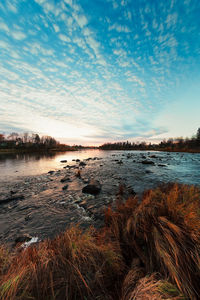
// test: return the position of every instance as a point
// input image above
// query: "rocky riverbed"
(43, 205)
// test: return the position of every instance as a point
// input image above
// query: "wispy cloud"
(64, 38)
(12, 6)
(18, 35)
(94, 72)
(120, 28)
(4, 27)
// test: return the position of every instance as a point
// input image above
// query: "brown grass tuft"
(72, 266)
(159, 235)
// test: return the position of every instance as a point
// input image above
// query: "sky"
(93, 71)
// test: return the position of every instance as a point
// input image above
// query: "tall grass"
(146, 250)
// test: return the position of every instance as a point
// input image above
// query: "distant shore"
(22, 151)
(52, 150)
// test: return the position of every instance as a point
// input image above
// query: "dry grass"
(160, 235)
(149, 288)
(72, 266)
(164, 232)
(4, 260)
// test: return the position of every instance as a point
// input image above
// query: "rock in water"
(50, 172)
(12, 198)
(63, 161)
(66, 178)
(22, 239)
(147, 162)
(65, 187)
(93, 188)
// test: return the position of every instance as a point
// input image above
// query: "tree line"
(172, 144)
(26, 139)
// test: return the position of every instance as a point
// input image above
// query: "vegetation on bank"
(146, 250)
(23, 143)
(174, 145)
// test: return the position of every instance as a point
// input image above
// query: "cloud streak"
(85, 72)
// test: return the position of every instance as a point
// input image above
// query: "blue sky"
(88, 72)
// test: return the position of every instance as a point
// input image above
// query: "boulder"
(50, 172)
(82, 164)
(147, 162)
(153, 156)
(93, 188)
(65, 187)
(148, 172)
(64, 179)
(11, 198)
(22, 239)
(63, 161)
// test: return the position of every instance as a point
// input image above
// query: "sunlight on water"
(14, 165)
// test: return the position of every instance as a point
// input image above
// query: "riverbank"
(35, 150)
(65, 149)
(146, 250)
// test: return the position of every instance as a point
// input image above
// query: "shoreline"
(52, 151)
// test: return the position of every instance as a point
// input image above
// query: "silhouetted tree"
(2, 137)
(198, 134)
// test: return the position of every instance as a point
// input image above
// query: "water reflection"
(13, 165)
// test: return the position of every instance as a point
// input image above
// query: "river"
(44, 207)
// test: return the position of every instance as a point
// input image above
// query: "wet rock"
(162, 165)
(13, 192)
(93, 188)
(153, 156)
(27, 218)
(12, 198)
(50, 172)
(148, 172)
(66, 178)
(78, 174)
(68, 166)
(82, 164)
(77, 160)
(147, 162)
(131, 191)
(91, 207)
(22, 239)
(85, 180)
(83, 204)
(65, 187)
(63, 161)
